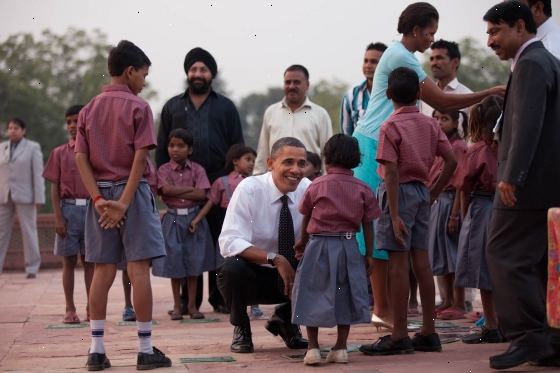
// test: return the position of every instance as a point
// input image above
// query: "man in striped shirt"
(355, 101)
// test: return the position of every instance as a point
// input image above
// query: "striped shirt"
(218, 194)
(111, 128)
(353, 107)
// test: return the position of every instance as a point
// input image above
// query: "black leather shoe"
(551, 361)
(242, 342)
(96, 361)
(291, 334)
(221, 309)
(517, 355)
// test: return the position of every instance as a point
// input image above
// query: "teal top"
(380, 107)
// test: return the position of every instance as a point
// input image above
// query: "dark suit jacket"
(529, 147)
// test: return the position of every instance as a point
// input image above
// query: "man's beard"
(199, 86)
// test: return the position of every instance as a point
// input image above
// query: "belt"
(110, 184)
(483, 193)
(183, 211)
(347, 235)
(77, 201)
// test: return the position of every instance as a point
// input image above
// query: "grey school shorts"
(73, 243)
(414, 210)
(139, 238)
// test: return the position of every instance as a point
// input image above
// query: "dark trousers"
(215, 219)
(517, 257)
(242, 283)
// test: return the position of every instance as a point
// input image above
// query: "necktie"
(286, 236)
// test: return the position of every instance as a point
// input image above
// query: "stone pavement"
(29, 307)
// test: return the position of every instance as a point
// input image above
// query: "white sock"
(145, 337)
(97, 332)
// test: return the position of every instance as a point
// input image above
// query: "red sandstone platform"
(28, 307)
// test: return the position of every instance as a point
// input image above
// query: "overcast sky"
(253, 41)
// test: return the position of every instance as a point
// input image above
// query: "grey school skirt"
(442, 246)
(330, 287)
(471, 270)
(188, 254)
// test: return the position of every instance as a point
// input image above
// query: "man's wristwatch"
(270, 256)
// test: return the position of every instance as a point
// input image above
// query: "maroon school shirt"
(61, 169)
(338, 203)
(111, 127)
(218, 194)
(411, 140)
(480, 168)
(189, 174)
(459, 147)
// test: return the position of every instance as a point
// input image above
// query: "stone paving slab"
(28, 307)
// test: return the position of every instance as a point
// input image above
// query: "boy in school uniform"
(408, 144)
(69, 199)
(115, 133)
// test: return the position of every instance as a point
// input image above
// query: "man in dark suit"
(528, 184)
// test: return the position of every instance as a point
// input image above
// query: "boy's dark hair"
(417, 14)
(73, 110)
(403, 86)
(126, 54)
(343, 151)
(455, 114)
(547, 7)
(285, 141)
(237, 151)
(314, 159)
(451, 47)
(510, 12)
(17, 121)
(376, 47)
(300, 68)
(483, 117)
(183, 134)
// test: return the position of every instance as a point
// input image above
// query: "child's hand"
(369, 264)
(192, 226)
(453, 224)
(60, 226)
(113, 214)
(299, 248)
(399, 230)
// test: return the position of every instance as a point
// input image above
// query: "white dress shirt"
(549, 34)
(310, 124)
(253, 215)
(453, 87)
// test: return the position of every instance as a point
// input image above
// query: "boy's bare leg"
(421, 263)
(400, 288)
(127, 288)
(379, 282)
(191, 291)
(341, 337)
(176, 290)
(88, 277)
(313, 336)
(490, 317)
(103, 277)
(68, 267)
(139, 274)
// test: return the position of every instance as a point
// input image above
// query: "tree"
(251, 110)
(480, 68)
(41, 77)
(329, 96)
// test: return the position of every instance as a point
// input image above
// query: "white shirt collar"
(545, 28)
(521, 49)
(276, 194)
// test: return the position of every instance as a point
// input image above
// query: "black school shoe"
(96, 361)
(152, 361)
(386, 346)
(485, 336)
(426, 343)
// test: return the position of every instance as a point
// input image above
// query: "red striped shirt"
(191, 174)
(61, 169)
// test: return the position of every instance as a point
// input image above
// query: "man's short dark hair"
(403, 86)
(17, 121)
(300, 68)
(285, 141)
(73, 110)
(451, 47)
(417, 14)
(376, 47)
(510, 12)
(547, 7)
(126, 54)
